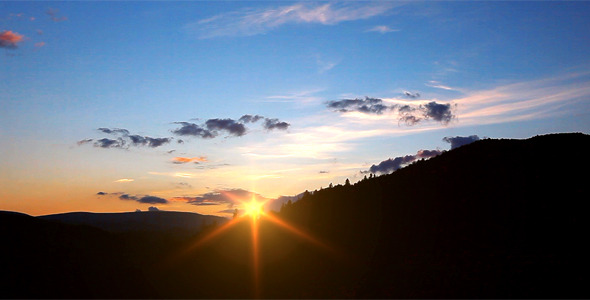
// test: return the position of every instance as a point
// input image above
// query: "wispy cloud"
(125, 180)
(382, 29)
(438, 85)
(248, 22)
(523, 101)
(304, 97)
(55, 15)
(184, 160)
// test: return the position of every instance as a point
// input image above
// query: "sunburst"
(254, 209)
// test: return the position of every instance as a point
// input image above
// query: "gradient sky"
(117, 106)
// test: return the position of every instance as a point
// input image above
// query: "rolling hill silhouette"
(163, 222)
(492, 219)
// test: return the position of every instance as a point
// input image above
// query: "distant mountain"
(46, 259)
(170, 222)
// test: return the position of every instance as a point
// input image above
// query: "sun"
(254, 208)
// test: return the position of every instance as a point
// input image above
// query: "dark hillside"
(44, 259)
(496, 218)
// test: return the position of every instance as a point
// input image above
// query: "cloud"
(270, 124)
(110, 143)
(227, 196)
(232, 127)
(184, 160)
(152, 200)
(192, 129)
(125, 139)
(411, 95)
(438, 85)
(153, 208)
(10, 40)
(250, 22)
(212, 127)
(114, 131)
(125, 180)
(458, 141)
(141, 199)
(428, 153)
(128, 197)
(408, 113)
(137, 140)
(39, 44)
(55, 16)
(84, 141)
(439, 112)
(549, 97)
(367, 105)
(394, 164)
(382, 29)
(250, 118)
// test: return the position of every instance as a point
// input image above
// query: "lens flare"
(255, 210)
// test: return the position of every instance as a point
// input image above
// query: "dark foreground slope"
(43, 259)
(493, 219)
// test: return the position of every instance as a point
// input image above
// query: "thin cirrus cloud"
(438, 85)
(382, 29)
(184, 160)
(530, 100)
(249, 22)
(125, 180)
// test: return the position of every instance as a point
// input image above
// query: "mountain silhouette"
(497, 218)
(163, 222)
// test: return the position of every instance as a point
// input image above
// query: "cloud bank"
(228, 197)
(393, 164)
(408, 113)
(138, 198)
(458, 141)
(214, 127)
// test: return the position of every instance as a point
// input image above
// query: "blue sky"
(434, 69)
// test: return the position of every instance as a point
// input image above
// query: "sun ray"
(299, 232)
(253, 209)
(255, 257)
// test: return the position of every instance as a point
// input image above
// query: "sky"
(197, 105)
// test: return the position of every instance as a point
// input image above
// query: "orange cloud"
(183, 160)
(124, 180)
(9, 39)
(39, 44)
